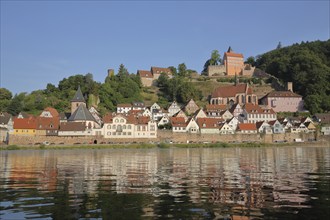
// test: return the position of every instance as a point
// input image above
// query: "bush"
(163, 145)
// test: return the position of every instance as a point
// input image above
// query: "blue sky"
(45, 41)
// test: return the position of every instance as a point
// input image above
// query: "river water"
(172, 183)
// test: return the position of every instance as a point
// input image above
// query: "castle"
(233, 64)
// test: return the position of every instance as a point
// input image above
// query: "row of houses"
(135, 120)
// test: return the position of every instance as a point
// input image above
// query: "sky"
(45, 41)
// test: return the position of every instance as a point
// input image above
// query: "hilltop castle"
(233, 64)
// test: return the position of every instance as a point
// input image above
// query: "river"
(171, 183)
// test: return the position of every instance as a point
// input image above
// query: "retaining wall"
(163, 136)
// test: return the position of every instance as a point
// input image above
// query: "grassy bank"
(145, 145)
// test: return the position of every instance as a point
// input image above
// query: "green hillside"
(307, 65)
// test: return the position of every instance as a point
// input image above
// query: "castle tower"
(111, 72)
(77, 100)
(289, 86)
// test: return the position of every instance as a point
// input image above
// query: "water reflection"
(227, 183)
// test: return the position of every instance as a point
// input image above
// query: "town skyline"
(54, 40)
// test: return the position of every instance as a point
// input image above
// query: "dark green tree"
(16, 104)
(214, 60)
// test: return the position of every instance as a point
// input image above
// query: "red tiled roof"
(178, 122)
(72, 126)
(247, 127)
(143, 120)
(25, 123)
(282, 94)
(209, 122)
(44, 123)
(159, 70)
(228, 54)
(252, 109)
(108, 117)
(52, 111)
(145, 74)
(231, 91)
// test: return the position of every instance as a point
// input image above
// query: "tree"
(5, 98)
(251, 60)
(122, 72)
(173, 70)
(214, 60)
(182, 70)
(16, 104)
(5, 94)
(307, 65)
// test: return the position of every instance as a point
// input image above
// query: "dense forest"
(307, 65)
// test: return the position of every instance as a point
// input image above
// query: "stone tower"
(77, 100)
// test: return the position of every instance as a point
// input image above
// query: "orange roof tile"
(252, 108)
(209, 122)
(44, 123)
(145, 74)
(25, 123)
(52, 111)
(178, 122)
(108, 117)
(247, 127)
(159, 70)
(228, 54)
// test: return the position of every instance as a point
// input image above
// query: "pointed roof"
(78, 97)
(230, 50)
(81, 114)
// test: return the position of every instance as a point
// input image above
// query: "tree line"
(307, 65)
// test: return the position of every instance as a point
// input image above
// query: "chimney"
(289, 86)
(111, 72)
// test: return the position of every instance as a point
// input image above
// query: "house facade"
(254, 113)
(148, 78)
(174, 108)
(129, 126)
(230, 95)
(283, 101)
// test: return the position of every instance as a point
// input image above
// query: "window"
(113, 126)
(109, 133)
(128, 126)
(121, 120)
(124, 126)
(109, 127)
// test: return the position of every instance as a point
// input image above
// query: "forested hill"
(307, 65)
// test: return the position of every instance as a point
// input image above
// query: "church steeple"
(230, 50)
(78, 97)
(77, 100)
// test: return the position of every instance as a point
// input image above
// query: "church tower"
(77, 100)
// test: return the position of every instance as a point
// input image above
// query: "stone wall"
(163, 136)
(219, 70)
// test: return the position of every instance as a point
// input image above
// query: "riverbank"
(159, 145)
